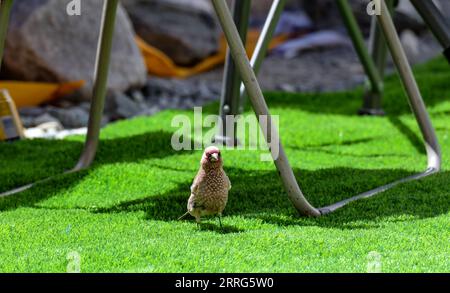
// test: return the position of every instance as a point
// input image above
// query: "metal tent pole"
(100, 83)
(372, 104)
(230, 99)
(264, 39)
(412, 90)
(376, 83)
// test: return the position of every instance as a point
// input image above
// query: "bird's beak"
(215, 157)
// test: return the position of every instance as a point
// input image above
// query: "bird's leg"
(220, 221)
(197, 220)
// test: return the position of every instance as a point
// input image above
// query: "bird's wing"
(229, 182)
(195, 203)
(194, 186)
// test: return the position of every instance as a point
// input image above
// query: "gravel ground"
(324, 70)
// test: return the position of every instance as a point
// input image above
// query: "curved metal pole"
(259, 105)
(372, 100)
(100, 83)
(414, 96)
(417, 106)
(230, 98)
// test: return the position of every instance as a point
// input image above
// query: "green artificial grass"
(120, 215)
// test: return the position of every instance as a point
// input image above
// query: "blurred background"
(170, 54)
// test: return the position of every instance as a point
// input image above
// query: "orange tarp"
(160, 64)
(34, 93)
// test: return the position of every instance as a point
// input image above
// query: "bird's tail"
(183, 216)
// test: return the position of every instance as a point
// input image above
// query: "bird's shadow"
(225, 229)
(168, 207)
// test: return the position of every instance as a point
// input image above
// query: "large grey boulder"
(44, 43)
(186, 30)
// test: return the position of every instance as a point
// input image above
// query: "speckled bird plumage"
(209, 191)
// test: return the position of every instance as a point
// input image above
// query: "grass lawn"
(120, 215)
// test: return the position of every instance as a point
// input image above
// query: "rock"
(405, 7)
(181, 94)
(259, 9)
(121, 106)
(150, 111)
(156, 86)
(325, 13)
(188, 103)
(186, 30)
(27, 121)
(164, 103)
(31, 111)
(74, 117)
(407, 18)
(138, 97)
(44, 118)
(410, 44)
(419, 49)
(444, 6)
(85, 106)
(45, 44)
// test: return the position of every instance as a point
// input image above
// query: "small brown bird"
(209, 191)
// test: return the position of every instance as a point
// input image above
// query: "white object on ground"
(52, 130)
(320, 39)
(292, 22)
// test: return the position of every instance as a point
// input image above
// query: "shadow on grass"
(28, 161)
(319, 148)
(268, 202)
(225, 229)
(255, 194)
(260, 195)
